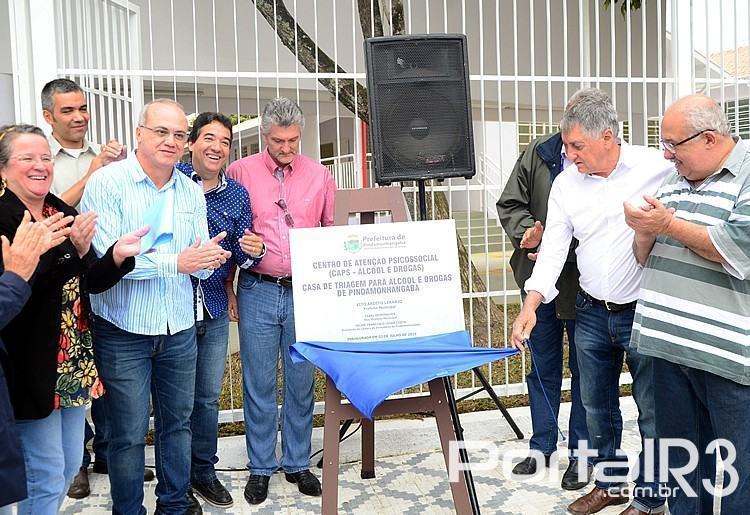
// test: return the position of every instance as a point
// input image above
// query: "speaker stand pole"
(457, 429)
(491, 392)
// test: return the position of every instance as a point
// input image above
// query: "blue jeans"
(213, 338)
(132, 366)
(547, 353)
(267, 329)
(700, 406)
(98, 434)
(602, 342)
(52, 452)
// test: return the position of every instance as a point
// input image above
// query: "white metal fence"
(526, 58)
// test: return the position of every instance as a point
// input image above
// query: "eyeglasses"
(670, 147)
(28, 159)
(287, 215)
(162, 133)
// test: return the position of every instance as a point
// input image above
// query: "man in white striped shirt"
(693, 314)
(145, 343)
(586, 202)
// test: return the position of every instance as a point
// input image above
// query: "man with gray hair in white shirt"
(586, 202)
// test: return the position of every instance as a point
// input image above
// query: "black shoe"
(571, 480)
(528, 466)
(306, 481)
(80, 488)
(213, 493)
(256, 489)
(100, 467)
(194, 507)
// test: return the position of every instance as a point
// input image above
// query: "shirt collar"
(135, 170)
(564, 161)
(271, 165)
(221, 186)
(626, 159)
(56, 148)
(736, 157)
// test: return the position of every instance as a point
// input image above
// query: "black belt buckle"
(286, 282)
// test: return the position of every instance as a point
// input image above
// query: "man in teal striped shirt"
(145, 343)
(693, 312)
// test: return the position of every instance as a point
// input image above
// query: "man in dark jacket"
(522, 209)
(19, 262)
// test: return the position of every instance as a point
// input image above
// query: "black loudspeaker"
(420, 107)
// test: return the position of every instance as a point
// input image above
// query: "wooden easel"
(367, 202)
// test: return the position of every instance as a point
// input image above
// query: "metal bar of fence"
(512, 87)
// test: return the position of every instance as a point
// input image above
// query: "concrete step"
(478, 247)
(493, 267)
(478, 230)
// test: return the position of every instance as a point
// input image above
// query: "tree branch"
(370, 28)
(311, 57)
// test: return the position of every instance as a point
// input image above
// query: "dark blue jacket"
(14, 292)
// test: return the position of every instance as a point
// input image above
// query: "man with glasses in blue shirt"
(145, 327)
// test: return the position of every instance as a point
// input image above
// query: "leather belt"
(610, 306)
(286, 282)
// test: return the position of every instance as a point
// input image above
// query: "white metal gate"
(526, 59)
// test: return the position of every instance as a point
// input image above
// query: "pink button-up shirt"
(308, 189)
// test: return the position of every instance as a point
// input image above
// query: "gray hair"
(282, 112)
(144, 111)
(701, 116)
(54, 87)
(592, 110)
(8, 133)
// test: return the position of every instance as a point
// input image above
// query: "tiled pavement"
(411, 477)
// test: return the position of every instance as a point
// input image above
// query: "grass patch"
(514, 369)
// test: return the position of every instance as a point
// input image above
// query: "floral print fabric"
(76, 371)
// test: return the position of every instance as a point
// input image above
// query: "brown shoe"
(594, 501)
(80, 488)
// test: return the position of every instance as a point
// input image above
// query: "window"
(528, 132)
(652, 136)
(738, 114)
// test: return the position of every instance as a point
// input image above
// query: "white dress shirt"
(590, 208)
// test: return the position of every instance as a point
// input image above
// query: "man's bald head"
(695, 136)
(700, 112)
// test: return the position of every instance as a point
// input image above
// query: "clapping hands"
(208, 256)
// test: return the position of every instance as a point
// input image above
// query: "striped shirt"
(692, 311)
(154, 298)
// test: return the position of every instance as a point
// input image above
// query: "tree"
(350, 93)
(634, 5)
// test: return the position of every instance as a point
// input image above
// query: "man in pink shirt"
(286, 190)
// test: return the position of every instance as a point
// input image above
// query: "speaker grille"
(419, 107)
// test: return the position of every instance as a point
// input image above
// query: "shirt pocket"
(185, 223)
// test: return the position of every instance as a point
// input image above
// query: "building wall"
(7, 109)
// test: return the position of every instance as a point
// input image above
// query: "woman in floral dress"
(51, 371)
